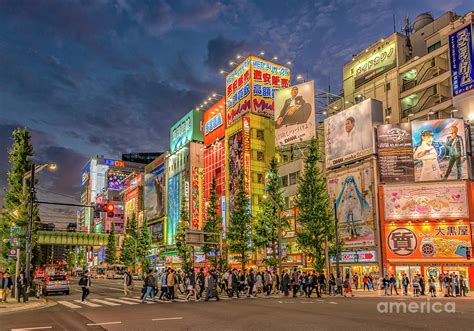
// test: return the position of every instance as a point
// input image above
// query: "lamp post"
(31, 174)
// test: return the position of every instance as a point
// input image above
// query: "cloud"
(220, 49)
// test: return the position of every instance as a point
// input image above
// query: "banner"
(439, 150)
(351, 190)
(174, 208)
(428, 241)
(214, 122)
(154, 192)
(425, 201)
(195, 198)
(295, 119)
(460, 58)
(356, 257)
(237, 95)
(246, 152)
(187, 129)
(235, 165)
(349, 135)
(395, 153)
(376, 64)
(157, 233)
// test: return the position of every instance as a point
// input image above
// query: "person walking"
(149, 284)
(285, 282)
(393, 284)
(422, 284)
(250, 283)
(170, 283)
(85, 283)
(355, 281)
(462, 286)
(7, 286)
(339, 284)
(267, 282)
(127, 283)
(164, 286)
(295, 282)
(234, 284)
(211, 281)
(347, 286)
(2, 280)
(432, 287)
(258, 283)
(416, 286)
(191, 286)
(276, 283)
(200, 281)
(365, 282)
(22, 287)
(322, 282)
(405, 283)
(386, 284)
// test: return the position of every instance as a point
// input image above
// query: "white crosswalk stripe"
(108, 303)
(87, 303)
(69, 304)
(122, 301)
(131, 299)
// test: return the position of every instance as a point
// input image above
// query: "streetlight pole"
(30, 225)
(337, 237)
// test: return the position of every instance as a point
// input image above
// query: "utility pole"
(337, 237)
(30, 225)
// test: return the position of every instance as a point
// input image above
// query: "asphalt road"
(109, 311)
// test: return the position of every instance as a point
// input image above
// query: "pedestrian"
(170, 283)
(365, 280)
(276, 282)
(22, 287)
(1, 286)
(295, 282)
(462, 286)
(432, 287)
(416, 286)
(234, 283)
(339, 284)
(355, 280)
(250, 279)
(211, 281)
(7, 286)
(285, 282)
(386, 284)
(347, 286)
(322, 282)
(191, 286)
(422, 284)
(313, 281)
(200, 281)
(258, 283)
(85, 283)
(267, 282)
(164, 286)
(150, 290)
(127, 283)
(393, 284)
(405, 283)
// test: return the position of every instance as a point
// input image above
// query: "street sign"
(14, 234)
(12, 253)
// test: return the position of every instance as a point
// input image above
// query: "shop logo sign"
(402, 241)
(214, 123)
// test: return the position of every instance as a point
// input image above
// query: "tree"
(71, 259)
(111, 250)
(143, 247)
(82, 259)
(184, 251)
(16, 198)
(129, 254)
(214, 225)
(314, 209)
(240, 218)
(266, 226)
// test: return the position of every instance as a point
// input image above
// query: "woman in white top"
(429, 157)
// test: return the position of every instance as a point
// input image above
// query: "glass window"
(260, 179)
(260, 156)
(284, 180)
(294, 178)
(260, 135)
(434, 46)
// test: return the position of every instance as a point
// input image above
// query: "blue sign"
(214, 123)
(461, 56)
(174, 208)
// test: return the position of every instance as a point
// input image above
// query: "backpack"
(82, 281)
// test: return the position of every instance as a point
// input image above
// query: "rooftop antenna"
(408, 30)
(394, 28)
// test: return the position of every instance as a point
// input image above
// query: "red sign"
(214, 122)
(246, 153)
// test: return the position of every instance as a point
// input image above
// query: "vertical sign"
(223, 210)
(246, 153)
(201, 197)
(195, 197)
(14, 234)
(460, 56)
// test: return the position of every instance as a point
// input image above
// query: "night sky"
(109, 77)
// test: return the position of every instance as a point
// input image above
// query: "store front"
(358, 263)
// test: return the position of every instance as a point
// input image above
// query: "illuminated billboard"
(154, 192)
(250, 87)
(174, 208)
(295, 119)
(461, 57)
(349, 134)
(235, 165)
(116, 180)
(185, 130)
(439, 150)
(214, 122)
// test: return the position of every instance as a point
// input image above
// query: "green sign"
(185, 130)
(14, 234)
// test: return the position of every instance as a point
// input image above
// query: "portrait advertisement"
(349, 134)
(439, 150)
(352, 193)
(154, 192)
(294, 114)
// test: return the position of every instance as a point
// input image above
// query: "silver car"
(55, 284)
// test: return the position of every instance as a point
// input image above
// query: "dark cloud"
(221, 49)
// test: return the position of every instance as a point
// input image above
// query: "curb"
(37, 305)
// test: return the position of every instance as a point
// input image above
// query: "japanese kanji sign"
(461, 56)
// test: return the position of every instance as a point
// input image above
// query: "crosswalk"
(125, 301)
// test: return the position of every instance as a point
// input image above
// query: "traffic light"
(109, 208)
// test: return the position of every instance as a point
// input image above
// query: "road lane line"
(333, 303)
(69, 304)
(34, 328)
(122, 301)
(131, 299)
(166, 318)
(104, 323)
(90, 304)
(105, 302)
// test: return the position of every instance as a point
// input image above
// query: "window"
(260, 179)
(294, 177)
(434, 46)
(284, 181)
(387, 87)
(260, 135)
(260, 156)
(285, 158)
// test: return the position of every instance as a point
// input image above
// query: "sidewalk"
(381, 293)
(33, 303)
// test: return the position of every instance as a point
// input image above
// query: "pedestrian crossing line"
(131, 299)
(87, 303)
(69, 304)
(108, 303)
(122, 301)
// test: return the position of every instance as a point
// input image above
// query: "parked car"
(55, 284)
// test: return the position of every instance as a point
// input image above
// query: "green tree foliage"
(16, 199)
(71, 259)
(184, 251)
(240, 218)
(214, 225)
(128, 254)
(315, 213)
(266, 225)
(143, 247)
(82, 259)
(111, 249)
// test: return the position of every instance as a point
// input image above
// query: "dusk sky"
(110, 77)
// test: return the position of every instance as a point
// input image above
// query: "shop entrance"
(410, 271)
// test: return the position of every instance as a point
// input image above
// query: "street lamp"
(279, 230)
(30, 174)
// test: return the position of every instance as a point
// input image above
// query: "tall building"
(144, 158)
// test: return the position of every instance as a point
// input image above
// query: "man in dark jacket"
(85, 283)
(285, 282)
(149, 284)
(250, 282)
(200, 281)
(235, 284)
(22, 287)
(6, 286)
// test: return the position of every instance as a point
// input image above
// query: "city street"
(108, 310)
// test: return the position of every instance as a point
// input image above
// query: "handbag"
(143, 289)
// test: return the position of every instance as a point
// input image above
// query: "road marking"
(90, 304)
(122, 301)
(333, 303)
(166, 318)
(104, 323)
(319, 300)
(105, 302)
(34, 328)
(69, 304)
(131, 299)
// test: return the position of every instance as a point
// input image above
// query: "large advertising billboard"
(395, 153)
(157, 233)
(376, 64)
(250, 87)
(116, 179)
(185, 130)
(425, 201)
(174, 208)
(154, 192)
(461, 57)
(214, 122)
(235, 165)
(295, 119)
(352, 191)
(441, 242)
(349, 135)
(439, 150)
